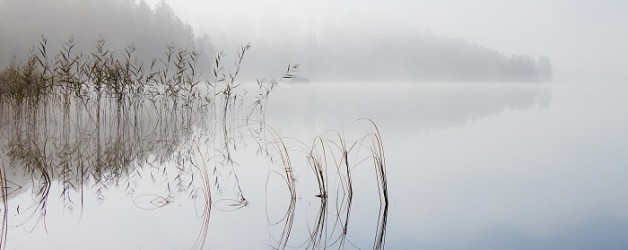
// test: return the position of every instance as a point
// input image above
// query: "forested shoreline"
(328, 56)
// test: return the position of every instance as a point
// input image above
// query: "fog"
(487, 40)
(585, 40)
(408, 124)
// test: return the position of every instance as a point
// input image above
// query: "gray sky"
(586, 40)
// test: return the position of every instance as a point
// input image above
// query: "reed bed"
(89, 121)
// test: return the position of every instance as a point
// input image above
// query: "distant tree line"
(427, 57)
(395, 56)
(120, 22)
(327, 56)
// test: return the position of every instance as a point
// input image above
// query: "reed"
(344, 194)
(286, 172)
(376, 147)
(5, 207)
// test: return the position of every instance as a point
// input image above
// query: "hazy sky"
(587, 40)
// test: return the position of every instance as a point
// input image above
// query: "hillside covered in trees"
(120, 22)
(396, 56)
(329, 55)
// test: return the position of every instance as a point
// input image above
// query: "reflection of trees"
(422, 108)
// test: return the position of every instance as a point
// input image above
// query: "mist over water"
(313, 125)
(584, 39)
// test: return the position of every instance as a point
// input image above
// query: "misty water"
(468, 166)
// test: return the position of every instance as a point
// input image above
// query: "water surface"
(468, 166)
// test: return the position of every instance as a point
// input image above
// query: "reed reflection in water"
(88, 124)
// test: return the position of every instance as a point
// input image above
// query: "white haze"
(586, 40)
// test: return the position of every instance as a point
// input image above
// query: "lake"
(325, 165)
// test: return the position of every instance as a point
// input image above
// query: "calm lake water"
(468, 166)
